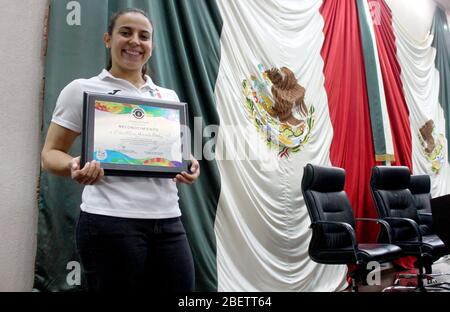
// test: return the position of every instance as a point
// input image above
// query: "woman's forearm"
(56, 162)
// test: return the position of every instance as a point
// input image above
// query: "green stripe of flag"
(441, 42)
(373, 84)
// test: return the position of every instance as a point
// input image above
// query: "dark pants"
(120, 254)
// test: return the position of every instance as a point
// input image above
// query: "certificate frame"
(121, 164)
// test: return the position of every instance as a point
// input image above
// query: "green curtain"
(442, 44)
(186, 58)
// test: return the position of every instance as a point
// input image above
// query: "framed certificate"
(135, 136)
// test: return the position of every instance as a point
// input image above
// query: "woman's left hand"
(192, 176)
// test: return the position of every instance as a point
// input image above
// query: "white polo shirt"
(127, 197)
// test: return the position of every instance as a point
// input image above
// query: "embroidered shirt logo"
(274, 102)
(113, 92)
(155, 93)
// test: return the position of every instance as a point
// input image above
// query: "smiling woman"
(130, 40)
(129, 233)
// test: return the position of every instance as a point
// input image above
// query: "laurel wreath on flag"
(258, 103)
(437, 157)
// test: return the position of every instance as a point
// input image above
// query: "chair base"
(414, 289)
(419, 285)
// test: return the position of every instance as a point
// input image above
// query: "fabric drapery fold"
(441, 42)
(345, 81)
(262, 221)
(421, 84)
(381, 128)
(395, 99)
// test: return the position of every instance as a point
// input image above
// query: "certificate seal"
(101, 155)
(138, 113)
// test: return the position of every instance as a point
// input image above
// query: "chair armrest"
(410, 222)
(426, 214)
(382, 222)
(350, 230)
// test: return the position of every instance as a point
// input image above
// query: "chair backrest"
(420, 187)
(326, 200)
(390, 191)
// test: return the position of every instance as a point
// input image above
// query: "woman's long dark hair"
(112, 24)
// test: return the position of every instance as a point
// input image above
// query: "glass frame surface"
(153, 167)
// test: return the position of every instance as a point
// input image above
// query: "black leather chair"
(333, 224)
(395, 204)
(420, 187)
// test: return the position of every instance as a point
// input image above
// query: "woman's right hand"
(91, 173)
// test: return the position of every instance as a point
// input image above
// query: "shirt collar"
(148, 81)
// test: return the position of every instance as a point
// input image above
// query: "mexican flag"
(271, 85)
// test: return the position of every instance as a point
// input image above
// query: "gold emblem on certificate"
(138, 137)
